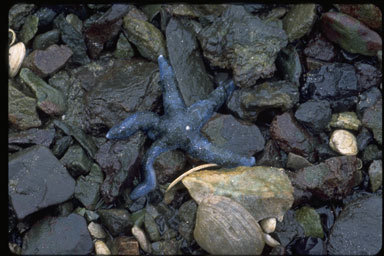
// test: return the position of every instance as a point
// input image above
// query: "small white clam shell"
(268, 225)
(269, 240)
(15, 58)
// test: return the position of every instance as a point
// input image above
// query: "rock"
(187, 215)
(299, 20)
(309, 219)
(49, 61)
(314, 114)
(367, 99)
(116, 220)
(167, 247)
(129, 86)
(104, 29)
(91, 215)
(367, 75)
(29, 29)
(75, 22)
(288, 229)
(124, 49)
(124, 245)
(64, 209)
(343, 142)
(249, 103)
(144, 243)
(120, 161)
(376, 174)
(332, 179)
(101, 248)
(61, 145)
(372, 119)
(49, 100)
(243, 43)
(193, 81)
(335, 82)
(96, 230)
(151, 228)
(270, 156)
(290, 136)
(345, 120)
(288, 62)
(169, 165)
(32, 136)
(87, 189)
(313, 64)
(42, 41)
(264, 191)
(352, 35)
(21, 109)
(58, 235)
(137, 13)
(297, 162)
(36, 184)
(363, 139)
(370, 153)
(320, 48)
(46, 16)
(227, 132)
(73, 39)
(358, 228)
(76, 161)
(369, 14)
(78, 134)
(17, 14)
(146, 37)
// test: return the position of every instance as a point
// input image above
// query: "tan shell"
(15, 58)
(343, 142)
(223, 226)
(268, 225)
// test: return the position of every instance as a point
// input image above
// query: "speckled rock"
(227, 132)
(299, 20)
(243, 43)
(367, 75)
(21, 109)
(352, 35)
(363, 139)
(167, 247)
(116, 220)
(49, 61)
(332, 179)
(358, 229)
(372, 119)
(123, 48)
(17, 14)
(375, 174)
(169, 165)
(151, 228)
(345, 120)
(314, 114)
(29, 29)
(371, 152)
(309, 219)
(58, 235)
(124, 245)
(76, 161)
(290, 136)
(35, 184)
(46, 16)
(42, 41)
(187, 215)
(75, 21)
(320, 48)
(32, 136)
(367, 99)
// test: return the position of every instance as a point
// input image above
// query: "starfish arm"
(202, 149)
(172, 99)
(142, 120)
(202, 110)
(149, 183)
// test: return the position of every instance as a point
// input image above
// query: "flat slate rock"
(37, 180)
(62, 235)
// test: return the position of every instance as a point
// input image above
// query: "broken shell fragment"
(268, 225)
(343, 142)
(15, 58)
(269, 240)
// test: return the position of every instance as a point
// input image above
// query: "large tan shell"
(223, 226)
(15, 58)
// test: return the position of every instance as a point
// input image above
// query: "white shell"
(15, 58)
(343, 142)
(268, 225)
(270, 240)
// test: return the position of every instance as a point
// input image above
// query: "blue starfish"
(179, 127)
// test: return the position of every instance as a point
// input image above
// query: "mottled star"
(178, 128)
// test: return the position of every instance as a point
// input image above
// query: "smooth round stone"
(343, 142)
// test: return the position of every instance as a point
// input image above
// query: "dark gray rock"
(76, 161)
(243, 43)
(187, 215)
(42, 41)
(320, 48)
(169, 165)
(73, 39)
(367, 99)
(358, 229)
(87, 188)
(187, 62)
(371, 152)
(37, 180)
(289, 65)
(225, 131)
(62, 235)
(61, 145)
(288, 229)
(363, 139)
(373, 119)
(314, 114)
(367, 75)
(45, 15)
(296, 162)
(32, 136)
(270, 155)
(116, 220)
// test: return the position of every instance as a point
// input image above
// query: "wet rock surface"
(37, 180)
(314, 114)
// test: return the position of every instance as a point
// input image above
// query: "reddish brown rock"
(47, 62)
(290, 136)
(369, 14)
(124, 245)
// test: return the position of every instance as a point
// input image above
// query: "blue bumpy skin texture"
(179, 127)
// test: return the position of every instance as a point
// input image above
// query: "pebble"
(124, 49)
(42, 41)
(76, 161)
(140, 236)
(268, 225)
(29, 29)
(87, 189)
(369, 14)
(367, 75)
(314, 114)
(345, 120)
(74, 21)
(343, 142)
(299, 20)
(320, 48)
(17, 14)
(296, 162)
(124, 245)
(101, 248)
(375, 174)
(372, 119)
(116, 220)
(309, 219)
